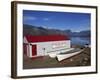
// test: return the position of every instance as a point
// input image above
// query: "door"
(34, 50)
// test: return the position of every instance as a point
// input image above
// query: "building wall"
(45, 48)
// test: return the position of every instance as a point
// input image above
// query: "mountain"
(34, 30)
(39, 30)
(85, 33)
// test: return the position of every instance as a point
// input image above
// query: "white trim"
(25, 40)
(30, 50)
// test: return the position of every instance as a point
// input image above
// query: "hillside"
(34, 30)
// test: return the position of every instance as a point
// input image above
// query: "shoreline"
(82, 59)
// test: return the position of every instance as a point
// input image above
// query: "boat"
(71, 53)
(54, 54)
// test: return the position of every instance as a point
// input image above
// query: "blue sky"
(58, 20)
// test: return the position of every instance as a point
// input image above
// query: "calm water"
(80, 40)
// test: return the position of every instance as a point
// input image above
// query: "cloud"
(29, 18)
(45, 19)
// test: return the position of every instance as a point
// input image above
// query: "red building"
(45, 45)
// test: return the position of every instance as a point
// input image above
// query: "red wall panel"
(34, 50)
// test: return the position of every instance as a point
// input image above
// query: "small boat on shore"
(54, 54)
(68, 54)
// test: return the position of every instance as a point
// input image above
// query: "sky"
(58, 20)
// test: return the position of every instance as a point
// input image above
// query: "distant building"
(35, 46)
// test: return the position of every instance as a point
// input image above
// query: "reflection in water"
(80, 40)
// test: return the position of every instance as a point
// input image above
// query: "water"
(80, 40)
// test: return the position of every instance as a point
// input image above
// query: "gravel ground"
(82, 59)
